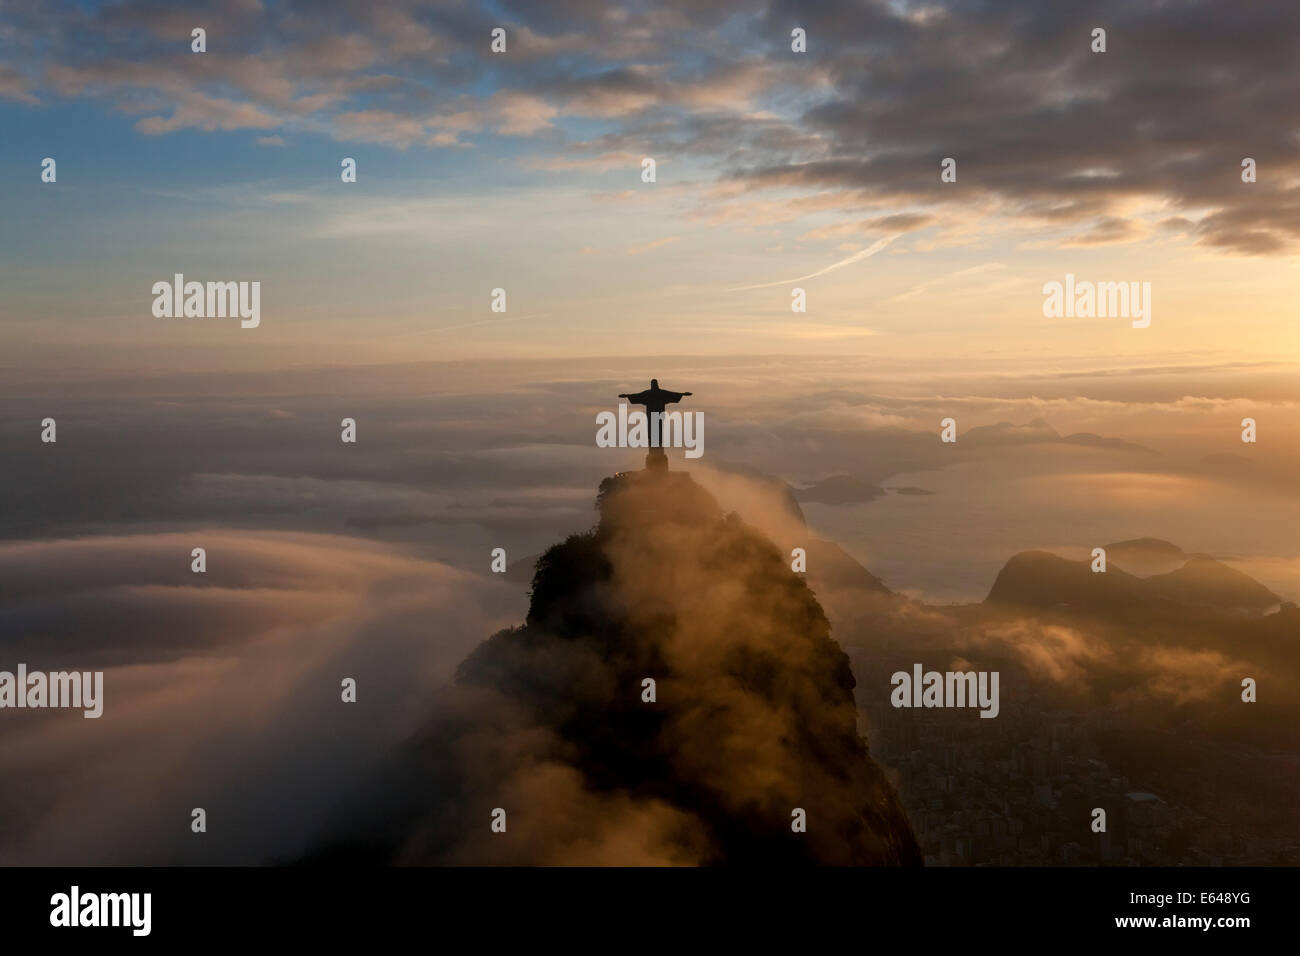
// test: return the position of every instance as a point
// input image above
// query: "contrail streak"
(858, 256)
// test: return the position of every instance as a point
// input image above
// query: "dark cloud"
(1051, 131)
(1045, 132)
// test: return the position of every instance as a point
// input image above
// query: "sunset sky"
(522, 171)
(775, 170)
(475, 430)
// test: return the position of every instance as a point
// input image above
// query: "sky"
(522, 170)
(776, 170)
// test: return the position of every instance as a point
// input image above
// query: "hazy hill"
(1146, 556)
(830, 566)
(1205, 582)
(1005, 433)
(839, 490)
(1091, 440)
(1042, 579)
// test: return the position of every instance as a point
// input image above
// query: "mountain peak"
(1043, 579)
(752, 712)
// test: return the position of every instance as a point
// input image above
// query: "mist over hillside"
(1120, 689)
(752, 721)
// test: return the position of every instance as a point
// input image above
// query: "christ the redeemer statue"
(654, 399)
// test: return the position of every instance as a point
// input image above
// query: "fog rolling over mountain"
(753, 716)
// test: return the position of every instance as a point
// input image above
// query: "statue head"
(654, 383)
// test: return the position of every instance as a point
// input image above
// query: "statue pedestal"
(656, 460)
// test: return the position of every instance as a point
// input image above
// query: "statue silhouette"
(654, 399)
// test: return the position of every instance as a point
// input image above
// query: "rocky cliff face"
(752, 717)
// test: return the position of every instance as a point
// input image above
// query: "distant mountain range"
(1043, 579)
(839, 490)
(1039, 431)
(847, 490)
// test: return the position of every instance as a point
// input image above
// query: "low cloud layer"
(221, 690)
